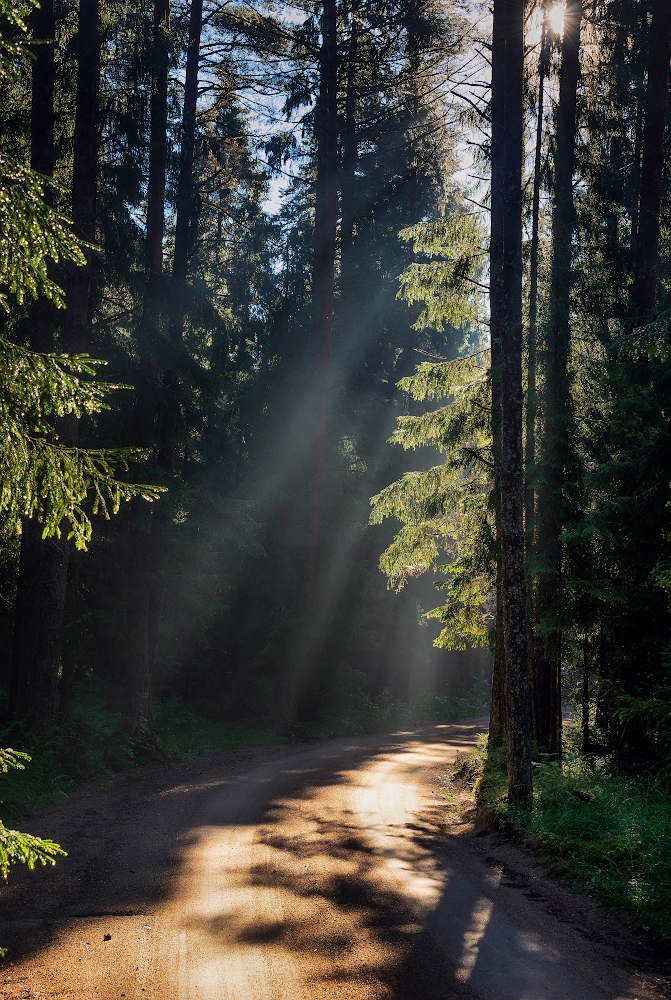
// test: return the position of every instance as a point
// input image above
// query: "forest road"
(318, 871)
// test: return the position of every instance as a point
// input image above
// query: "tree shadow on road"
(349, 927)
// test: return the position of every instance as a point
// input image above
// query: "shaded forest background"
(225, 594)
(265, 347)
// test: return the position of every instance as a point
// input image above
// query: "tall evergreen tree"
(557, 458)
(517, 703)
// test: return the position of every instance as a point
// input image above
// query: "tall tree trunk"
(71, 632)
(143, 570)
(43, 26)
(539, 694)
(517, 701)
(43, 562)
(158, 154)
(323, 272)
(497, 714)
(408, 358)
(348, 183)
(185, 232)
(557, 444)
(185, 223)
(585, 694)
(647, 246)
(77, 328)
(77, 335)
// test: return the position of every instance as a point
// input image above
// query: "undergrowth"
(181, 733)
(605, 832)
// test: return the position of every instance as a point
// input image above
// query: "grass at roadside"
(605, 832)
(182, 734)
(92, 744)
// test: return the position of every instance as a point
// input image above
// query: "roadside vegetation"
(603, 831)
(92, 746)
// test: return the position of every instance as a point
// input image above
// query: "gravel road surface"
(318, 871)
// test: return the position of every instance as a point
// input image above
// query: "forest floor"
(332, 869)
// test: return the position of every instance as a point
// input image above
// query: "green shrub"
(611, 831)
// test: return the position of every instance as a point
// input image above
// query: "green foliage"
(469, 767)
(225, 391)
(183, 734)
(436, 381)
(13, 759)
(654, 711)
(611, 832)
(14, 52)
(445, 510)
(646, 714)
(449, 287)
(484, 769)
(652, 341)
(37, 475)
(17, 847)
(31, 232)
(347, 709)
(20, 847)
(428, 503)
(43, 478)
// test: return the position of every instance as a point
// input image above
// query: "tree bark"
(43, 562)
(145, 410)
(84, 174)
(497, 712)
(301, 652)
(538, 693)
(647, 245)
(43, 567)
(557, 445)
(585, 694)
(144, 570)
(77, 328)
(517, 702)
(185, 234)
(323, 272)
(348, 181)
(43, 27)
(185, 223)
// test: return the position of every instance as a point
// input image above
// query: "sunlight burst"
(554, 23)
(556, 18)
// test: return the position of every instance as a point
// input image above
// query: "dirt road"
(302, 872)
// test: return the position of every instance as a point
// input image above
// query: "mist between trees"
(487, 359)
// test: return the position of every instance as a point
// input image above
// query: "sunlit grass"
(607, 833)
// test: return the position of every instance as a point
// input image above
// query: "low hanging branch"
(39, 476)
